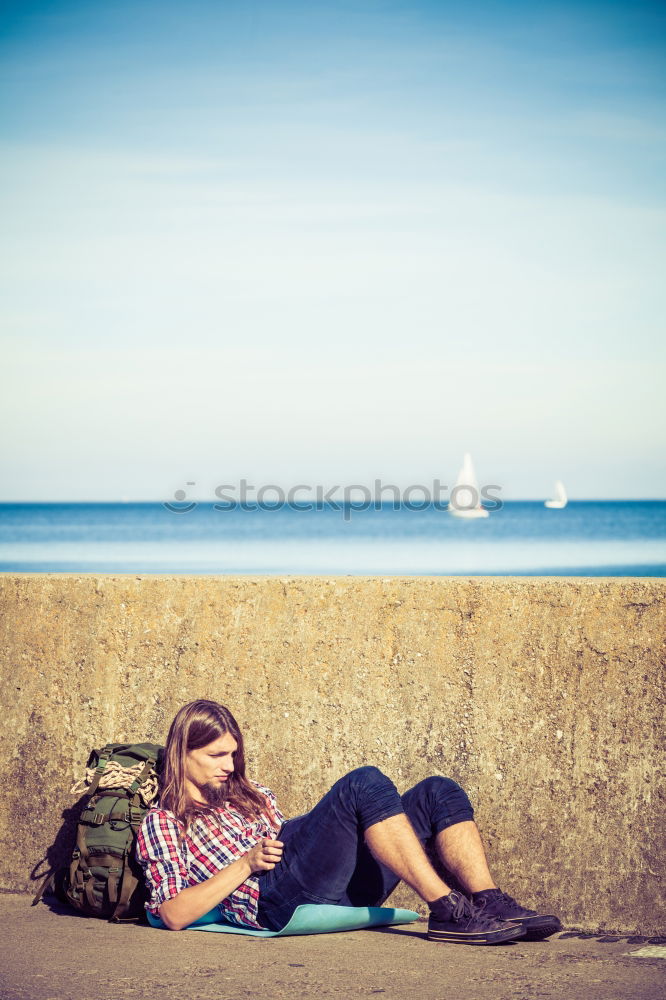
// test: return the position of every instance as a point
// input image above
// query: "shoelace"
(474, 914)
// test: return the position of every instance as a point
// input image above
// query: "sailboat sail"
(465, 495)
(560, 499)
(467, 487)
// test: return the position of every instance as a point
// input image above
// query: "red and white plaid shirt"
(215, 839)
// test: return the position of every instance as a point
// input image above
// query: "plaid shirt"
(215, 839)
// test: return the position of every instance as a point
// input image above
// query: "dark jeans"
(326, 859)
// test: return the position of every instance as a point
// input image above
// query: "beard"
(216, 794)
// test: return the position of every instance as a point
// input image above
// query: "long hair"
(196, 725)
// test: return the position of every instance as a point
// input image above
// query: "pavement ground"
(49, 953)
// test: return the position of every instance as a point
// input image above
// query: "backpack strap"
(102, 761)
(145, 773)
(79, 868)
(89, 894)
(128, 812)
(129, 884)
(46, 883)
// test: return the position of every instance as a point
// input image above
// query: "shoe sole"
(540, 931)
(479, 937)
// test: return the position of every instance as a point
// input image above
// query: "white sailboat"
(465, 497)
(560, 499)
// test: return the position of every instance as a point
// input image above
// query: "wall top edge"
(349, 577)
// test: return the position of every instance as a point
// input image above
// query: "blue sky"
(331, 242)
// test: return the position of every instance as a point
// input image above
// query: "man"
(219, 840)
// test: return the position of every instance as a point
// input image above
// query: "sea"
(522, 538)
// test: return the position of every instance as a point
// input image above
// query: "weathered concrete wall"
(542, 696)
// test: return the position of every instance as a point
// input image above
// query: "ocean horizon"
(522, 538)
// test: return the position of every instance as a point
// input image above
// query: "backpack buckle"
(90, 815)
(134, 815)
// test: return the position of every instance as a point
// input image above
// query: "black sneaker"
(454, 918)
(498, 904)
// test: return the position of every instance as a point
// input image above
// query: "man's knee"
(372, 793)
(448, 802)
(436, 784)
(367, 784)
(367, 777)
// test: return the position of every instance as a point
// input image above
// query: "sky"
(329, 243)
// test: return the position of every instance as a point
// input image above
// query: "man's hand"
(264, 855)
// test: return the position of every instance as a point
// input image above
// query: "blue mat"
(310, 918)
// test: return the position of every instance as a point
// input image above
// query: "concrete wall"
(543, 697)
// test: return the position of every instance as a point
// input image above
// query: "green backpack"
(104, 878)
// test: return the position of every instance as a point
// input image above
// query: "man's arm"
(191, 903)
